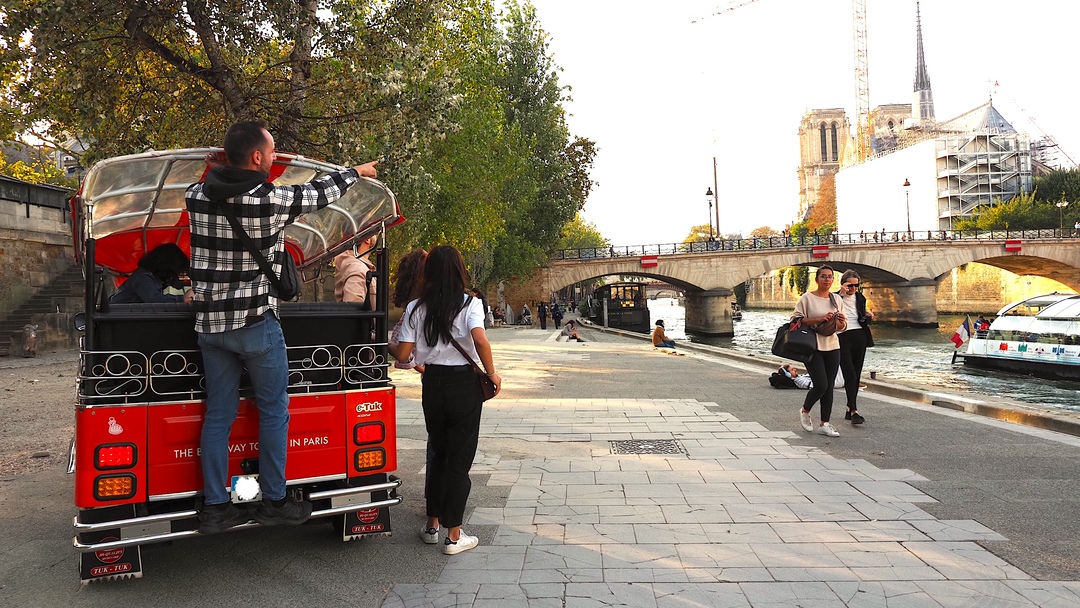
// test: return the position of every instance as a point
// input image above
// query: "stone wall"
(972, 288)
(516, 293)
(33, 250)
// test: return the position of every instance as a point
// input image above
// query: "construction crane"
(864, 128)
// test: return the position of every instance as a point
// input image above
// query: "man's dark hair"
(242, 139)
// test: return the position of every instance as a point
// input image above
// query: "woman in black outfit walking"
(452, 398)
(853, 341)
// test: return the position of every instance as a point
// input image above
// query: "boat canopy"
(1037, 305)
(131, 204)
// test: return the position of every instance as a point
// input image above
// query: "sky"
(662, 95)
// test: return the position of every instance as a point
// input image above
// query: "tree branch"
(218, 76)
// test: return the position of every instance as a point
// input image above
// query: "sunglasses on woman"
(851, 285)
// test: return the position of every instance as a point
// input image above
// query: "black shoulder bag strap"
(252, 248)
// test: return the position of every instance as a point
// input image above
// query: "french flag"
(962, 332)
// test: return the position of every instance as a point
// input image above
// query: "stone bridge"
(899, 277)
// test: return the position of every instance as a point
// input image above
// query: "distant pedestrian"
(1076, 228)
(556, 314)
(542, 314)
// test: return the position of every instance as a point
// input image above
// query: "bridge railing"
(809, 240)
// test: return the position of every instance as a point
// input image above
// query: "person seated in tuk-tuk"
(352, 281)
(158, 269)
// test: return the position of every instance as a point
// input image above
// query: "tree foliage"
(1059, 186)
(699, 234)
(581, 234)
(1021, 212)
(554, 188)
(463, 109)
(38, 167)
(823, 213)
(764, 232)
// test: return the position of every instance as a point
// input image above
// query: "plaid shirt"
(229, 285)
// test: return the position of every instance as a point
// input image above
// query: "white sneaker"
(464, 543)
(807, 423)
(429, 535)
(826, 429)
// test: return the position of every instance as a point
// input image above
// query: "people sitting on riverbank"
(660, 338)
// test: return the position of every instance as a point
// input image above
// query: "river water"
(917, 356)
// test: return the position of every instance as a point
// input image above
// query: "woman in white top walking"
(452, 397)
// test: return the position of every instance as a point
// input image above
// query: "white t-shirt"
(443, 353)
(851, 312)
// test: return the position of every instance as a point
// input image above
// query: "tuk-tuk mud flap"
(108, 564)
(366, 522)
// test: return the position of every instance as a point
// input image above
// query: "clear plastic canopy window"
(131, 204)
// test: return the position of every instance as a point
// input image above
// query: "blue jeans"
(667, 344)
(259, 348)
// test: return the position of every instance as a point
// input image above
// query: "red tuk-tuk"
(140, 392)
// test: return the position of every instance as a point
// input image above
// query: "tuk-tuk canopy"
(131, 204)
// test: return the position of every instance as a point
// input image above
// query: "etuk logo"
(370, 406)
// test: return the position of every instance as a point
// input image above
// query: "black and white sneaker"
(463, 543)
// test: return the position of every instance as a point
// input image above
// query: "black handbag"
(288, 286)
(794, 341)
(487, 385)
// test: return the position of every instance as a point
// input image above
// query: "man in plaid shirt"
(236, 314)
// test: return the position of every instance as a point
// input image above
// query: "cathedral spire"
(922, 110)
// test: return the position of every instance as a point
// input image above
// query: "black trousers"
(852, 356)
(452, 404)
(822, 368)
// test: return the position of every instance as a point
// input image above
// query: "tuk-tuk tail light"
(369, 432)
(115, 456)
(114, 487)
(370, 459)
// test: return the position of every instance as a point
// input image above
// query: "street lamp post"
(709, 197)
(1061, 215)
(907, 203)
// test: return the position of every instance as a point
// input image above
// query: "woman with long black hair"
(452, 397)
(818, 309)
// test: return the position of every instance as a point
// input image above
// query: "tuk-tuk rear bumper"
(157, 528)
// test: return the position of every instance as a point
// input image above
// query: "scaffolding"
(980, 169)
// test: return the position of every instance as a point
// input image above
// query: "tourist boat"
(736, 312)
(1038, 336)
(621, 305)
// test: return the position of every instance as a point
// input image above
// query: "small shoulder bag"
(487, 385)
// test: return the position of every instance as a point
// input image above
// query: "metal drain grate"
(646, 446)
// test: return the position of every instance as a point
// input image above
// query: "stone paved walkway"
(739, 518)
